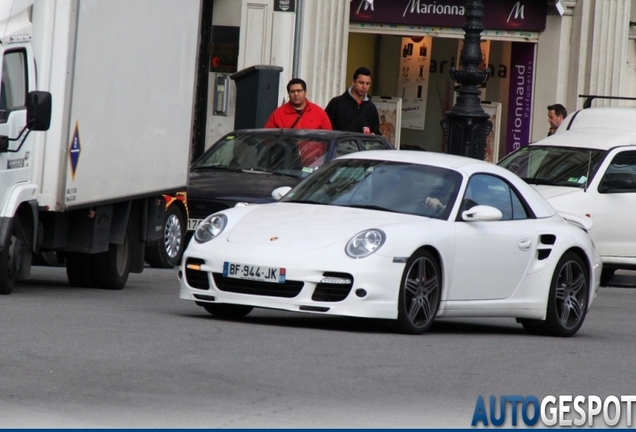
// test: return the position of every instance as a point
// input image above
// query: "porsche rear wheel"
(568, 299)
(227, 311)
(420, 293)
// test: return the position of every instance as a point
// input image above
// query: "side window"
(13, 87)
(484, 189)
(620, 176)
(346, 147)
(372, 145)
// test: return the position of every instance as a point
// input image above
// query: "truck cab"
(94, 135)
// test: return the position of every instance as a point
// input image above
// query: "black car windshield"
(379, 185)
(265, 153)
(555, 166)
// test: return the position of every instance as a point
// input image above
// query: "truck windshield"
(555, 166)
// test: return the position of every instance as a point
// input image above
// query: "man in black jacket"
(353, 110)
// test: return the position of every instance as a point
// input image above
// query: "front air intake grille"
(333, 292)
(196, 278)
(289, 289)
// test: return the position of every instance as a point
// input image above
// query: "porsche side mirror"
(482, 213)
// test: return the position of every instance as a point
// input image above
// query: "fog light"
(361, 292)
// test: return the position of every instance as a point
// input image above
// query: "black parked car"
(247, 165)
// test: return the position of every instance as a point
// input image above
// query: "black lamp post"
(466, 124)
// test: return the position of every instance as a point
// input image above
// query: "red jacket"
(285, 115)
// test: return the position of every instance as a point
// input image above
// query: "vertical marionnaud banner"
(413, 83)
(520, 95)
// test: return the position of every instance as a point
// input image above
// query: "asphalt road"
(140, 357)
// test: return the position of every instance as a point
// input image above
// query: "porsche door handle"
(525, 244)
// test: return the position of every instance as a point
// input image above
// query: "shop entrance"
(416, 69)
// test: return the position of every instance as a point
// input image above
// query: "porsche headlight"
(365, 243)
(211, 227)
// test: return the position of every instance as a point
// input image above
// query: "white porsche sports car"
(400, 235)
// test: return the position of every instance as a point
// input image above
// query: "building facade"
(538, 53)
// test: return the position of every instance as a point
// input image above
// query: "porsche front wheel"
(420, 293)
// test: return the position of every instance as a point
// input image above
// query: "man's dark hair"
(559, 110)
(296, 81)
(361, 71)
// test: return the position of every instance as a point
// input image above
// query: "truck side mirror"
(38, 106)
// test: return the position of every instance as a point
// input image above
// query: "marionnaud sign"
(512, 15)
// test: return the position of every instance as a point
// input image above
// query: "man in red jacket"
(298, 112)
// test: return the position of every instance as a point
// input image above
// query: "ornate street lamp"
(466, 124)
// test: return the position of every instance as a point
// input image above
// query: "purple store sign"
(520, 95)
(514, 15)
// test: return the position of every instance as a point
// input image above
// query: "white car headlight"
(211, 227)
(365, 243)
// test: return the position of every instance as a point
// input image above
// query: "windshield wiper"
(540, 181)
(215, 167)
(264, 171)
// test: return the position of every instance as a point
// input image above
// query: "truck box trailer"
(96, 117)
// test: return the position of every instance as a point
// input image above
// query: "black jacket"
(346, 115)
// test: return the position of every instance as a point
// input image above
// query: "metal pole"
(297, 36)
(467, 125)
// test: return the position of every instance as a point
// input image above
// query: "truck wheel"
(10, 259)
(111, 268)
(167, 252)
(79, 271)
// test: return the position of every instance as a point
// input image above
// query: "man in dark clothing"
(556, 114)
(353, 110)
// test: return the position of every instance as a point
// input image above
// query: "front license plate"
(252, 272)
(193, 224)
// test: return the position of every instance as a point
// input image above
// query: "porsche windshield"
(555, 166)
(380, 185)
(265, 153)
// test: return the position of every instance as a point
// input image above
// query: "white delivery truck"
(96, 115)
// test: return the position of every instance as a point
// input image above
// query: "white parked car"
(588, 169)
(399, 235)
